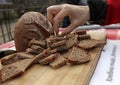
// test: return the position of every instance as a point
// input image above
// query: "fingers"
(59, 18)
(52, 12)
(67, 30)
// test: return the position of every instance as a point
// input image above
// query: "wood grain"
(66, 75)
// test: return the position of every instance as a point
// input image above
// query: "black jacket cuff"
(97, 9)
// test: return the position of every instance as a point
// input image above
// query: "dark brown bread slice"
(61, 48)
(78, 56)
(8, 59)
(36, 47)
(84, 37)
(24, 64)
(53, 39)
(9, 72)
(66, 53)
(15, 57)
(72, 40)
(48, 59)
(57, 44)
(41, 43)
(24, 55)
(42, 55)
(59, 62)
(13, 70)
(90, 43)
(80, 32)
(32, 51)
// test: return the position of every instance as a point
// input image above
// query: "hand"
(78, 15)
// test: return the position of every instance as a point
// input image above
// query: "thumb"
(67, 30)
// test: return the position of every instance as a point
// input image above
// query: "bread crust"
(32, 25)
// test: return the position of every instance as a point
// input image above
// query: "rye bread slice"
(78, 56)
(48, 59)
(36, 47)
(60, 49)
(71, 40)
(8, 59)
(24, 64)
(57, 44)
(15, 69)
(80, 32)
(32, 51)
(67, 53)
(59, 62)
(15, 57)
(9, 72)
(42, 55)
(53, 39)
(24, 55)
(84, 37)
(90, 43)
(41, 43)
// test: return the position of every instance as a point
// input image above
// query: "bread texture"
(48, 59)
(15, 57)
(80, 32)
(9, 72)
(31, 25)
(78, 56)
(59, 62)
(41, 43)
(90, 43)
(84, 37)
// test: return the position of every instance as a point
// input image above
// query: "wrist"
(86, 11)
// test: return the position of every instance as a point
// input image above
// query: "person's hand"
(78, 15)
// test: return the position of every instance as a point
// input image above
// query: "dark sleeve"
(97, 9)
(75, 2)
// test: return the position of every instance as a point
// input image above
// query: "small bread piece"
(78, 56)
(53, 39)
(8, 59)
(36, 47)
(57, 44)
(48, 59)
(90, 43)
(32, 51)
(84, 37)
(67, 53)
(59, 62)
(24, 55)
(24, 64)
(42, 55)
(41, 43)
(60, 49)
(15, 57)
(72, 40)
(80, 32)
(9, 72)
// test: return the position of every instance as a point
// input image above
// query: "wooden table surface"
(66, 75)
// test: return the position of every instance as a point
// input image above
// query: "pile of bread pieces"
(55, 51)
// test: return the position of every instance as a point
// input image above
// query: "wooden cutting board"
(66, 75)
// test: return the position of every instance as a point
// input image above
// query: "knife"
(96, 26)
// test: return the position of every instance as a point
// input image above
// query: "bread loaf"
(32, 25)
